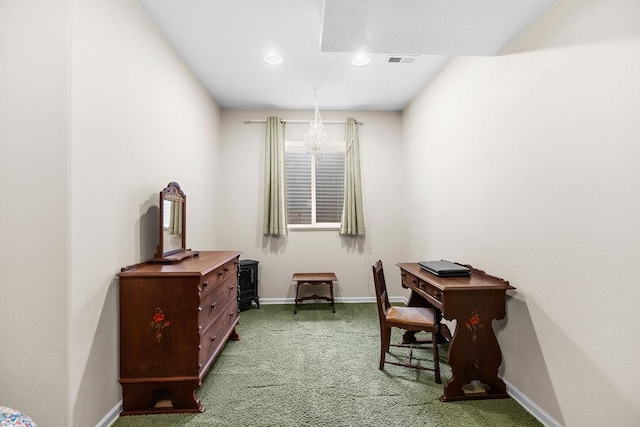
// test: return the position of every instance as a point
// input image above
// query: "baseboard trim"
(530, 406)
(111, 416)
(347, 300)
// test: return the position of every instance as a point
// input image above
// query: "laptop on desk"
(444, 268)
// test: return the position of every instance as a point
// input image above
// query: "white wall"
(306, 251)
(527, 165)
(34, 207)
(97, 114)
(140, 119)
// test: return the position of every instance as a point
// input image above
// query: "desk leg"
(333, 303)
(295, 307)
(474, 353)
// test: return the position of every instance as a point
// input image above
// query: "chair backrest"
(382, 297)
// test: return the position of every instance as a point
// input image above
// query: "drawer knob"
(213, 305)
(213, 338)
(205, 284)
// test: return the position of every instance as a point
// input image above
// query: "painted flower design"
(473, 324)
(159, 323)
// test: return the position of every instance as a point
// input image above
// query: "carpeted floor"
(317, 368)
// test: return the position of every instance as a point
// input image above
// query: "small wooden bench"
(314, 279)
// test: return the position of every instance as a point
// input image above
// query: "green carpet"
(317, 368)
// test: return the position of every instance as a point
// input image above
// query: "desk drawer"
(409, 281)
(424, 289)
(430, 290)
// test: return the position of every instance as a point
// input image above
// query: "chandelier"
(316, 141)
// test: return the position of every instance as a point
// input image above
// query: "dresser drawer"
(213, 302)
(211, 280)
(214, 337)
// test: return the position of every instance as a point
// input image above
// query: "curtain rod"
(303, 122)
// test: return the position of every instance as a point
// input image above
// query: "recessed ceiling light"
(360, 60)
(272, 58)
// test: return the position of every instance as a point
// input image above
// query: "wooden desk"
(473, 302)
(314, 279)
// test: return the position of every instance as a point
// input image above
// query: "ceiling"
(224, 43)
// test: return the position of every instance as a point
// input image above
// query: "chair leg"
(385, 341)
(436, 357)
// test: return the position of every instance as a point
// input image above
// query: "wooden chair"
(405, 318)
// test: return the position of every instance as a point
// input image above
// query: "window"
(166, 215)
(314, 187)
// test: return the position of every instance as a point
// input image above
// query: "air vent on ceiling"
(402, 59)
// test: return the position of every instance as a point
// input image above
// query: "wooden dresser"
(174, 321)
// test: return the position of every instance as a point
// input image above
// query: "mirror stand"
(172, 225)
(177, 257)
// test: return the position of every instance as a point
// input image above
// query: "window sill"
(313, 227)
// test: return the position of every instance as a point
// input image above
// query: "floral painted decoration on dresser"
(159, 323)
(474, 324)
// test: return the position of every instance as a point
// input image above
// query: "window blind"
(314, 189)
(298, 187)
(329, 187)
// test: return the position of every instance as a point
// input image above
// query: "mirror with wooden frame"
(172, 237)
